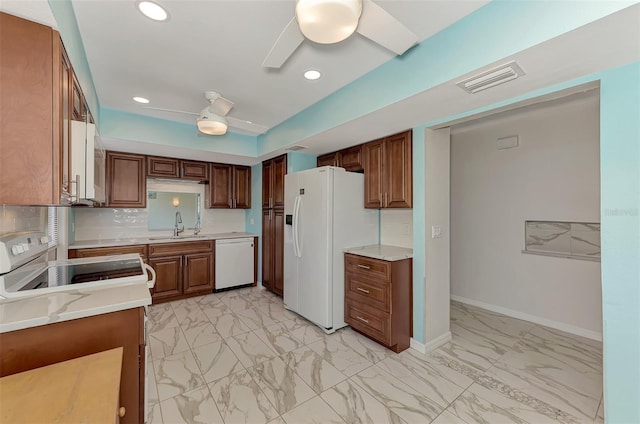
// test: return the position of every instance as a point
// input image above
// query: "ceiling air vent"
(491, 78)
(295, 148)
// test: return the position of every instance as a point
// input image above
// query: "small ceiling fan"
(213, 119)
(331, 21)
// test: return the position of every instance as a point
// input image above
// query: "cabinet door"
(352, 159)
(398, 171)
(330, 159)
(278, 251)
(220, 186)
(65, 124)
(168, 276)
(126, 181)
(373, 174)
(279, 171)
(267, 248)
(198, 273)
(267, 180)
(242, 187)
(192, 170)
(162, 167)
(77, 102)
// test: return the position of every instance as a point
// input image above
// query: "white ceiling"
(220, 45)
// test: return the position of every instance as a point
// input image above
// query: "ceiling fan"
(331, 21)
(213, 119)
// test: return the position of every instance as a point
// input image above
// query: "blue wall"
(620, 233)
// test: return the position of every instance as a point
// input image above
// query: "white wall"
(127, 223)
(552, 175)
(396, 227)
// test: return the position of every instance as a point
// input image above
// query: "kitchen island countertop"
(48, 308)
(381, 251)
(88, 244)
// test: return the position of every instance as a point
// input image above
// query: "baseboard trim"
(432, 345)
(578, 331)
(416, 345)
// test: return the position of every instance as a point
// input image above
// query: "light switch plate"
(436, 231)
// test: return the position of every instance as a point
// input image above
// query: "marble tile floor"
(241, 357)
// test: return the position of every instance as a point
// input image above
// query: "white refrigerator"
(324, 214)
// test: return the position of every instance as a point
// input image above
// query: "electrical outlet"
(250, 221)
(436, 231)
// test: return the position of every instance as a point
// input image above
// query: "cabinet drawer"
(369, 267)
(163, 249)
(140, 249)
(374, 324)
(371, 292)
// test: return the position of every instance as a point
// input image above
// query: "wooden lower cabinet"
(379, 299)
(35, 347)
(273, 250)
(182, 269)
(168, 277)
(140, 249)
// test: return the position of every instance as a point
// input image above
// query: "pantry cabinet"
(229, 187)
(388, 179)
(126, 180)
(273, 172)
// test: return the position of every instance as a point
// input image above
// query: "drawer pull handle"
(366, 321)
(363, 266)
(362, 290)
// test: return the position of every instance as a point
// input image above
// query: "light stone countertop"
(48, 308)
(381, 251)
(87, 244)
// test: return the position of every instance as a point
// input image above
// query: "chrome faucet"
(177, 230)
(198, 227)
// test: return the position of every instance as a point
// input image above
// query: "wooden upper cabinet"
(279, 171)
(351, 159)
(193, 170)
(220, 186)
(242, 187)
(273, 172)
(126, 182)
(229, 187)
(373, 174)
(78, 106)
(398, 170)
(267, 177)
(330, 159)
(163, 167)
(388, 180)
(30, 107)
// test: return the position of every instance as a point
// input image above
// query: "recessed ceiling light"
(141, 100)
(312, 74)
(152, 10)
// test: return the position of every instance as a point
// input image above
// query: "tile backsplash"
(128, 223)
(22, 218)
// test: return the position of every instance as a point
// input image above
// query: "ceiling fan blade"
(248, 126)
(379, 26)
(170, 110)
(288, 41)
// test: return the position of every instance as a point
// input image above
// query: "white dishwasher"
(234, 262)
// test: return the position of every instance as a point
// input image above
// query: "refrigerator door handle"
(296, 215)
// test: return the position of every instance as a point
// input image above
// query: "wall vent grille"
(492, 77)
(295, 148)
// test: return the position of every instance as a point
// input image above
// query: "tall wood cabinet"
(273, 172)
(126, 180)
(388, 176)
(229, 186)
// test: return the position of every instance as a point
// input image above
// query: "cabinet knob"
(122, 411)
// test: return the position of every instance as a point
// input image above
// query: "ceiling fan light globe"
(212, 124)
(328, 21)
